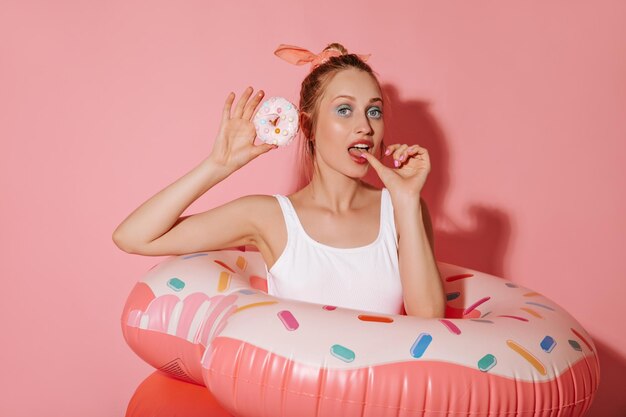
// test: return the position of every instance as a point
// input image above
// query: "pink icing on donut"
(276, 122)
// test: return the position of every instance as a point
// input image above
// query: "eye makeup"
(341, 108)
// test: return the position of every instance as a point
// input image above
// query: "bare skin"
(336, 208)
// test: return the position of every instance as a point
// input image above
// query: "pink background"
(102, 104)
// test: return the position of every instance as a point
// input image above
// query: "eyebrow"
(350, 97)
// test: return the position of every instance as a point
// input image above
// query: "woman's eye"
(342, 112)
(377, 113)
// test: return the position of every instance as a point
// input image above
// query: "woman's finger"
(398, 155)
(252, 105)
(414, 150)
(242, 102)
(227, 105)
(376, 164)
(421, 153)
(391, 148)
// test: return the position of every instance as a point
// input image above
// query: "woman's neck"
(333, 190)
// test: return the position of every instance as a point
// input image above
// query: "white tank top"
(362, 278)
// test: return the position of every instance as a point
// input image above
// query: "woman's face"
(350, 111)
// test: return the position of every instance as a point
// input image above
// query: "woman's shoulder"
(259, 202)
(264, 210)
(255, 208)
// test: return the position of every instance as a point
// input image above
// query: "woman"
(337, 240)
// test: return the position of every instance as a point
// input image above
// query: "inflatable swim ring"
(502, 349)
(276, 121)
(161, 395)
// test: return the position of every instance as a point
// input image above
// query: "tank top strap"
(289, 213)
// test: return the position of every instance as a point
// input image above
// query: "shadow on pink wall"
(483, 248)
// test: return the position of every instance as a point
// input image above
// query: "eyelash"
(380, 112)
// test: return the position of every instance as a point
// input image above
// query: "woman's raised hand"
(234, 145)
(412, 166)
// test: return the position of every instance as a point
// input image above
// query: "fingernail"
(396, 163)
(363, 156)
(388, 151)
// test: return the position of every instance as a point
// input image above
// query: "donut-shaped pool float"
(276, 121)
(501, 349)
(161, 395)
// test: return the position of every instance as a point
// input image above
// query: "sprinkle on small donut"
(282, 115)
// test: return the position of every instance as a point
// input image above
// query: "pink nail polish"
(388, 151)
(396, 163)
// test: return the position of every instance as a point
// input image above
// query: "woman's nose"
(363, 125)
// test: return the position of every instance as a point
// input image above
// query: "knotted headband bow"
(300, 56)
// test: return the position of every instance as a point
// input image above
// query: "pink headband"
(300, 56)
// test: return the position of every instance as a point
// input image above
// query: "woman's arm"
(154, 228)
(421, 282)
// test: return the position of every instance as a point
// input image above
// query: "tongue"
(356, 152)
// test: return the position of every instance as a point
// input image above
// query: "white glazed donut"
(276, 121)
